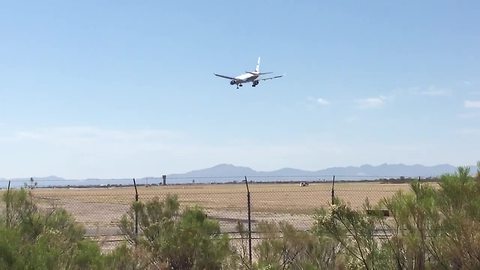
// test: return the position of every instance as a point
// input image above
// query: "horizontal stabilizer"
(255, 73)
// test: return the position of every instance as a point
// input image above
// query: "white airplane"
(249, 76)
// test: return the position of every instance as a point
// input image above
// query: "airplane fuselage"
(243, 78)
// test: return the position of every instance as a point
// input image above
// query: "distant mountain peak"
(226, 165)
(366, 170)
(223, 165)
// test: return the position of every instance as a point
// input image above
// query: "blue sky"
(126, 88)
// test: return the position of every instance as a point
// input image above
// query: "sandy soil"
(100, 209)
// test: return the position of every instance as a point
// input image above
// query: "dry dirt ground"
(100, 209)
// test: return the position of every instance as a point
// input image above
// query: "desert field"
(100, 209)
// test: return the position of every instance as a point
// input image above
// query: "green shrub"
(428, 228)
(284, 247)
(174, 239)
(34, 239)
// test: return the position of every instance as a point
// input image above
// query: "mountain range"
(364, 172)
(228, 173)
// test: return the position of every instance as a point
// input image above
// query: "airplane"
(249, 76)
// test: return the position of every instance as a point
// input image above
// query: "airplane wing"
(223, 76)
(271, 78)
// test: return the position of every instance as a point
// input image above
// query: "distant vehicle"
(249, 76)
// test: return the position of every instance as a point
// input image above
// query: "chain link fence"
(100, 208)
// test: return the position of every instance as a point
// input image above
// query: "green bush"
(429, 227)
(284, 247)
(174, 239)
(35, 239)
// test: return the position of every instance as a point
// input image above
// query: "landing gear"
(239, 85)
(255, 83)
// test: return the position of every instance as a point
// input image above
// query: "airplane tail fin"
(257, 68)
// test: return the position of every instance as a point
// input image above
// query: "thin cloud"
(352, 119)
(313, 103)
(469, 131)
(84, 152)
(372, 102)
(430, 91)
(433, 91)
(93, 138)
(469, 115)
(472, 104)
(323, 102)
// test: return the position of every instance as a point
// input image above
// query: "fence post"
(333, 190)
(8, 221)
(333, 220)
(136, 211)
(249, 224)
